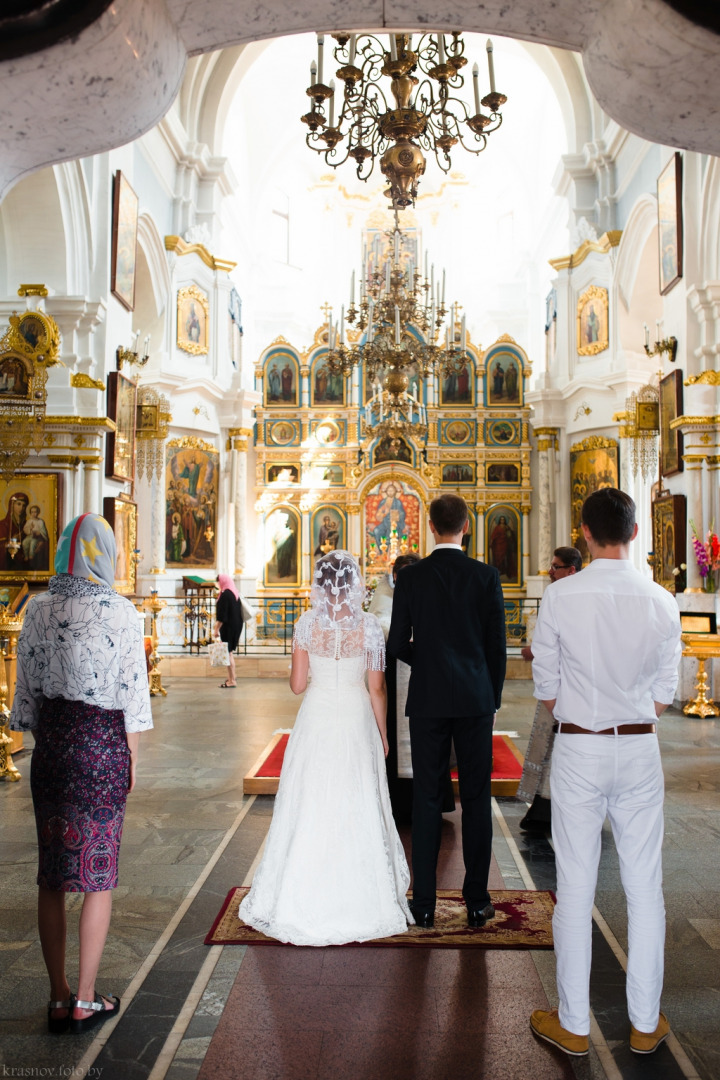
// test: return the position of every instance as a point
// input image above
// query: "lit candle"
(320, 43)
(352, 288)
(476, 88)
(353, 46)
(491, 65)
(313, 73)
(441, 48)
(647, 334)
(393, 47)
(397, 325)
(332, 103)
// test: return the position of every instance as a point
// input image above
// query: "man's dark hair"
(570, 556)
(610, 516)
(448, 514)
(404, 560)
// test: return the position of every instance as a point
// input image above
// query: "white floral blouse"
(82, 642)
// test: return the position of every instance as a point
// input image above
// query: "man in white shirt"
(606, 651)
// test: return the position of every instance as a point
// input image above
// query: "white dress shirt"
(606, 646)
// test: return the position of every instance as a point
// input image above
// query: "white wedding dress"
(334, 869)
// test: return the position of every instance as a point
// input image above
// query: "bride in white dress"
(334, 870)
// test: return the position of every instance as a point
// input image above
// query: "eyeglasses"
(561, 566)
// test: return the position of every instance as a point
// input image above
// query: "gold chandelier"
(642, 428)
(400, 315)
(398, 122)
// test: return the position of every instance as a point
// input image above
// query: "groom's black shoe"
(479, 916)
(424, 919)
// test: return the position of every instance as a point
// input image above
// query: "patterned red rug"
(523, 920)
(263, 778)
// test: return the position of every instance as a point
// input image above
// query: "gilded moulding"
(81, 421)
(605, 244)
(178, 246)
(695, 421)
(192, 442)
(85, 382)
(594, 442)
(32, 290)
(709, 378)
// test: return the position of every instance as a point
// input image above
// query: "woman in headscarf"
(229, 622)
(82, 689)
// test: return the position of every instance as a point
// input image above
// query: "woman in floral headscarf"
(82, 688)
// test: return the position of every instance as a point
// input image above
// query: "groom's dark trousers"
(448, 623)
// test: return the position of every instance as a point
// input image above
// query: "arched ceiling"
(655, 72)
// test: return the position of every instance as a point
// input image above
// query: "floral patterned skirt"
(79, 777)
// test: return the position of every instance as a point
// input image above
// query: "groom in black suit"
(448, 623)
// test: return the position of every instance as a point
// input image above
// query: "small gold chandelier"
(642, 428)
(414, 114)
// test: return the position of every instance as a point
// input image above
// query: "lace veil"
(336, 625)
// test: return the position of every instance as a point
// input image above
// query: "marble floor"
(189, 1010)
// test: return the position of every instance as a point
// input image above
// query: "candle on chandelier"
(397, 325)
(432, 278)
(393, 47)
(463, 334)
(320, 43)
(432, 320)
(352, 288)
(657, 330)
(426, 265)
(647, 335)
(329, 329)
(476, 88)
(396, 245)
(342, 324)
(387, 275)
(442, 297)
(332, 103)
(441, 48)
(491, 65)
(146, 345)
(353, 47)
(313, 73)
(411, 278)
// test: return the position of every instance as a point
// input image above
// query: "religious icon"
(328, 387)
(328, 433)
(28, 526)
(193, 309)
(671, 440)
(282, 432)
(391, 506)
(670, 224)
(503, 379)
(191, 490)
(503, 543)
(391, 449)
(14, 378)
(281, 380)
(458, 472)
(327, 531)
(120, 444)
(593, 465)
(281, 547)
(502, 432)
(456, 386)
(592, 322)
(457, 432)
(283, 474)
(124, 241)
(502, 473)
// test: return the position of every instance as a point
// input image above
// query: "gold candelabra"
(395, 123)
(155, 605)
(132, 355)
(10, 626)
(667, 345)
(380, 557)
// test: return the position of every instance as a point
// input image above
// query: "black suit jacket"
(448, 623)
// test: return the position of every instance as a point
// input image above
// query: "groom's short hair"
(448, 514)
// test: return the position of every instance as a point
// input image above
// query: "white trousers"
(619, 776)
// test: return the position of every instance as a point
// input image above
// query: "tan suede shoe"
(546, 1025)
(647, 1042)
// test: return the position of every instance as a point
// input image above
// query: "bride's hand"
(386, 747)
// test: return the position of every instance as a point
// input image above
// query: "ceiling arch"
(652, 70)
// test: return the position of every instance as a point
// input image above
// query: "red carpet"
(523, 920)
(263, 778)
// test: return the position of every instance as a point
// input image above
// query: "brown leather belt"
(626, 729)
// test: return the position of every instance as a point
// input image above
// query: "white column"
(480, 535)
(546, 445)
(355, 541)
(158, 515)
(693, 484)
(239, 496)
(90, 487)
(526, 542)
